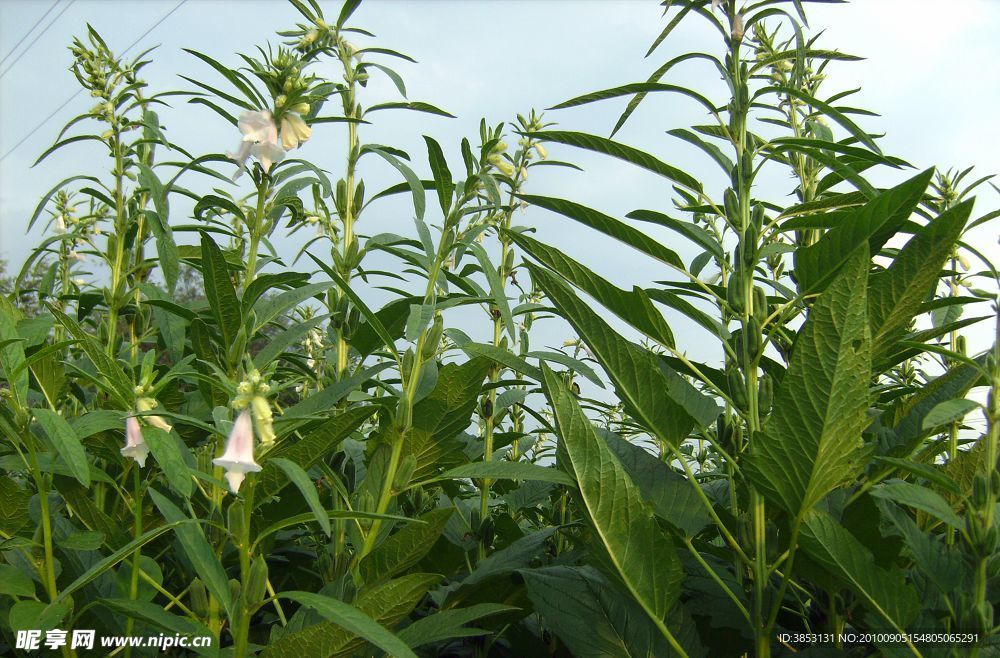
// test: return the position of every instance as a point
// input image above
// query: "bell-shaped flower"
(260, 139)
(237, 458)
(135, 446)
(145, 404)
(294, 131)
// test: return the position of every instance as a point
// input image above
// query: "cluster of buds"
(498, 158)
(145, 404)
(252, 392)
(97, 69)
(313, 346)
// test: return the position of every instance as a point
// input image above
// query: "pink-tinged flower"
(237, 459)
(135, 446)
(260, 139)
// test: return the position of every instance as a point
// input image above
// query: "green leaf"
(308, 450)
(168, 456)
(497, 289)
(927, 471)
(35, 615)
(884, 591)
(150, 613)
(13, 505)
(620, 151)
(690, 230)
(670, 494)
(66, 443)
(826, 109)
(811, 443)
(354, 620)
(873, 223)
(921, 498)
(896, 295)
(14, 582)
(666, 404)
(405, 548)
(506, 470)
(219, 290)
(12, 353)
(448, 624)
(197, 549)
(632, 306)
(269, 308)
(442, 175)
(609, 226)
(501, 355)
(641, 553)
(305, 485)
(590, 616)
(947, 412)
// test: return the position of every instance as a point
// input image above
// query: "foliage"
(304, 474)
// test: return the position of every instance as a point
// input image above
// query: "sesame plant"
(204, 437)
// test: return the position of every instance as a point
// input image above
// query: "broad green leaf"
(941, 563)
(633, 89)
(309, 449)
(590, 615)
(669, 493)
(352, 619)
(947, 412)
(927, 471)
(405, 548)
(873, 223)
(884, 591)
(14, 582)
(519, 554)
(501, 355)
(620, 151)
(607, 225)
(666, 404)
(35, 615)
(442, 175)
(506, 470)
(448, 624)
(897, 294)
(66, 443)
(219, 290)
(640, 552)
(13, 505)
(632, 306)
(12, 353)
(270, 308)
(811, 443)
(921, 498)
(168, 457)
(197, 549)
(119, 386)
(150, 613)
(497, 289)
(305, 485)
(690, 230)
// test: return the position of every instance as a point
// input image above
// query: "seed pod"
(359, 198)
(759, 305)
(980, 491)
(757, 218)
(735, 296)
(960, 345)
(404, 412)
(404, 473)
(753, 339)
(235, 519)
(407, 367)
(487, 408)
(198, 598)
(765, 394)
(508, 264)
(995, 483)
(487, 531)
(234, 588)
(985, 613)
(991, 537)
(340, 199)
(432, 338)
(256, 585)
(737, 388)
(732, 206)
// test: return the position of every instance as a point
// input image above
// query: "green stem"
(133, 591)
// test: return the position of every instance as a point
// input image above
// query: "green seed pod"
(256, 585)
(234, 589)
(735, 296)
(737, 388)
(765, 394)
(404, 413)
(991, 537)
(508, 264)
(359, 198)
(234, 519)
(757, 218)
(340, 199)
(995, 483)
(980, 491)
(487, 531)
(753, 338)
(432, 339)
(407, 368)
(724, 430)
(487, 408)
(759, 304)
(985, 613)
(732, 206)
(404, 473)
(198, 598)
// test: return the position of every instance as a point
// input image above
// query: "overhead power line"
(35, 40)
(28, 33)
(77, 92)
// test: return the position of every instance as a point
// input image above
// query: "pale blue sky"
(931, 72)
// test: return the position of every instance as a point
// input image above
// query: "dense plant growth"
(305, 475)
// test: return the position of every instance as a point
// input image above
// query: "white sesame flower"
(237, 458)
(135, 446)
(260, 139)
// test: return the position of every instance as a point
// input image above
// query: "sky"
(930, 72)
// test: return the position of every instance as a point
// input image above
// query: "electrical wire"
(40, 34)
(28, 33)
(77, 92)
